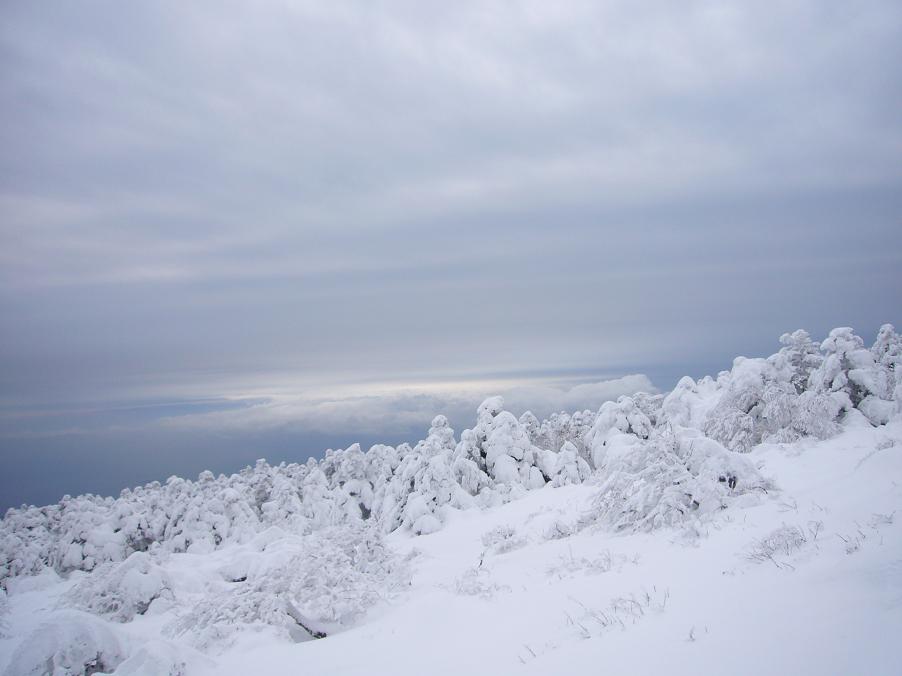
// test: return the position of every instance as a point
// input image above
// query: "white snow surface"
(674, 602)
(747, 524)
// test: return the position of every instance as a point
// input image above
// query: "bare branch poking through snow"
(477, 581)
(783, 541)
(619, 612)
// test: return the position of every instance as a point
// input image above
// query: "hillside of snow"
(745, 524)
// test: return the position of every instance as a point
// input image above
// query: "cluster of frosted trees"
(657, 460)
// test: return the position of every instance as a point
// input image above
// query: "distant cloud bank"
(405, 408)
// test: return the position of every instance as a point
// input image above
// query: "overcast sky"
(240, 229)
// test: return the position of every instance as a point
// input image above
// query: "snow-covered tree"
(318, 584)
(669, 479)
(569, 466)
(120, 591)
(800, 355)
(619, 425)
(510, 457)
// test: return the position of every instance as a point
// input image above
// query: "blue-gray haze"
(232, 230)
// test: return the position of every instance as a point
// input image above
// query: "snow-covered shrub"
(284, 506)
(878, 411)
(427, 481)
(465, 471)
(568, 466)
(887, 350)
(736, 420)
(121, 591)
(881, 382)
(316, 499)
(559, 529)
(779, 412)
(844, 352)
(304, 587)
(502, 539)
(477, 581)
(532, 427)
(619, 426)
(603, 563)
(784, 541)
(154, 658)
(509, 456)
(650, 405)
(71, 643)
(351, 490)
(855, 376)
(647, 488)
(800, 356)
(25, 544)
(560, 429)
(433, 482)
(668, 478)
(717, 474)
(797, 392)
(817, 415)
(688, 403)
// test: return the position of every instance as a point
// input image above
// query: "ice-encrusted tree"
(316, 499)
(800, 355)
(856, 376)
(619, 424)
(735, 421)
(667, 478)
(509, 456)
(467, 472)
(533, 428)
(284, 506)
(316, 585)
(844, 352)
(568, 467)
(120, 591)
(887, 350)
(433, 484)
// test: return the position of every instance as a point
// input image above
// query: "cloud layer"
(196, 195)
(404, 409)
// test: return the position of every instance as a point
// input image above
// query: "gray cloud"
(219, 200)
(385, 411)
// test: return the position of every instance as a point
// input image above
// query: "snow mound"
(70, 643)
(121, 591)
(304, 588)
(155, 658)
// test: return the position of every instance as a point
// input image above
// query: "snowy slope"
(591, 602)
(596, 603)
(650, 543)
